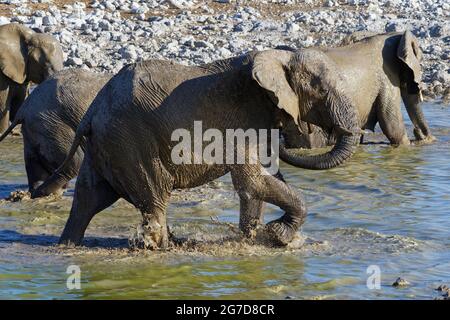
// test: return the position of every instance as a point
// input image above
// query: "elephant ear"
(409, 52)
(269, 71)
(13, 59)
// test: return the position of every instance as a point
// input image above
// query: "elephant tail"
(82, 131)
(10, 128)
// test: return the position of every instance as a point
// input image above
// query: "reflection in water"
(387, 206)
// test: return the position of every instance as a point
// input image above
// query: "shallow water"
(388, 207)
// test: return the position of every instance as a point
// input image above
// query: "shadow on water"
(12, 236)
(7, 188)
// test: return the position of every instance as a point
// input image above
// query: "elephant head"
(26, 55)
(410, 56)
(306, 85)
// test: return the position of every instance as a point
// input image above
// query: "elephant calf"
(49, 118)
(129, 130)
(378, 72)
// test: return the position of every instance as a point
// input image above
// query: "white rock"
(293, 27)
(49, 21)
(4, 20)
(74, 61)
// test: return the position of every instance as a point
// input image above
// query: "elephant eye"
(315, 82)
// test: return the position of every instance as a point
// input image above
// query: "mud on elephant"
(129, 125)
(25, 56)
(379, 71)
(49, 117)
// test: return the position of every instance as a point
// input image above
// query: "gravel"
(105, 35)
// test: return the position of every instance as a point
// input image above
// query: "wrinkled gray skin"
(129, 125)
(24, 56)
(49, 118)
(379, 71)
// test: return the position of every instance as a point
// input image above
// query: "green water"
(388, 207)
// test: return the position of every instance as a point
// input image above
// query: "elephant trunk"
(343, 149)
(344, 119)
(415, 113)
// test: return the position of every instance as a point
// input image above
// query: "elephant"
(49, 118)
(129, 127)
(379, 71)
(25, 55)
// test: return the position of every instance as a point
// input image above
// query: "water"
(388, 207)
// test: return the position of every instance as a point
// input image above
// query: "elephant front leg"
(284, 229)
(391, 120)
(249, 181)
(251, 216)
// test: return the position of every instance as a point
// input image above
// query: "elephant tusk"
(420, 96)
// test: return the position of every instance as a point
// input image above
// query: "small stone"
(104, 25)
(400, 282)
(435, 31)
(442, 76)
(137, 8)
(328, 20)
(391, 27)
(443, 288)
(49, 21)
(292, 27)
(129, 53)
(4, 20)
(201, 44)
(74, 61)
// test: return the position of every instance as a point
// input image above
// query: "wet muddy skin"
(387, 207)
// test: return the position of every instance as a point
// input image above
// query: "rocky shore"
(107, 34)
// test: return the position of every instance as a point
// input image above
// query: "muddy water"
(388, 207)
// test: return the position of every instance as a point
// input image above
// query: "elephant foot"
(150, 236)
(42, 191)
(423, 138)
(70, 240)
(250, 230)
(427, 139)
(404, 141)
(279, 233)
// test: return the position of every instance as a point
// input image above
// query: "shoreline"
(105, 35)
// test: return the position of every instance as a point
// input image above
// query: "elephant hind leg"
(153, 232)
(92, 194)
(150, 192)
(37, 172)
(251, 183)
(59, 180)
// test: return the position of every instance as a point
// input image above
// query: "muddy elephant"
(130, 150)
(25, 56)
(49, 118)
(379, 72)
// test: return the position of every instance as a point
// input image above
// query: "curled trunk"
(343, 149)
